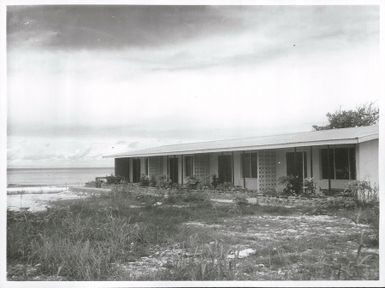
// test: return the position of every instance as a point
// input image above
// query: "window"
(249, 165)
(339, 163)
(225, 168)
(296, 164)
(188, 166)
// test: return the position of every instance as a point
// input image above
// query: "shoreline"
(38, 200)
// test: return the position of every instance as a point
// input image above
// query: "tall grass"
(211, 263)
(82, 239)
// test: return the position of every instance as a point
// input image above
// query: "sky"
(85, 81)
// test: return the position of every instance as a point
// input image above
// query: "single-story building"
(331, 157)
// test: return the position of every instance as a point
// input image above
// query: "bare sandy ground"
(36, 199)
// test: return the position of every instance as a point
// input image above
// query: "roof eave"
(245, 148)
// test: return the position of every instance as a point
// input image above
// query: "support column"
(295, 160)
(243, 172)
(232, 166)
(182, 168)
(328, 163)
(167, 168)
(311, 161)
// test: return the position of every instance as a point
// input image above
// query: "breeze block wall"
(202, 168)
(156, 166)
(267, 170)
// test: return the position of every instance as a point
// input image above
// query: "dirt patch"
(267, 247)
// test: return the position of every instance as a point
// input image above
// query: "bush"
(225, 186)
(270, 192)
(309, 187)
(214, 181)
(192, 182)
(293, 185)
(362, 191)
(144, 181)
(164, 182)
(153, 181)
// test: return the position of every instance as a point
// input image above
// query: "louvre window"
(249, 165)
(188, 162)
(338, 163)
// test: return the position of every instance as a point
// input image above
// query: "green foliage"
(214, 181)
(240, 201)
(153, 181)
(270, 192)
(144, 180)
(293, 185)
(364, 115)
(309, 187)
(88, 239)
(211, 264)
(225, 186)
(192, 182)
(164, 182)
(362, 191)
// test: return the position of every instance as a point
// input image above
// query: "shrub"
(144, 181)
(164, 182)
(192, 182)
(153, 181)
(293, 185)
(362, 191)
(309, 187)
(214, 181)
(270, 192)
(225, 186)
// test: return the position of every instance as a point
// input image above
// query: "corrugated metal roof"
(311, 138)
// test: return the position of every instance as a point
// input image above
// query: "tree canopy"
(363, 115)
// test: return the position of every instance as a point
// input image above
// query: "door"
(225, 169)
(296, 164)
(173, 164)
(135, 170)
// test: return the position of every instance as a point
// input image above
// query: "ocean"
(54, 176)
(34, 189)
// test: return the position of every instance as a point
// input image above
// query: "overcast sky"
(84, 81)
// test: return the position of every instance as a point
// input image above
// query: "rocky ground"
(271, 248)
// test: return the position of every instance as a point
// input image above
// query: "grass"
(99, 237)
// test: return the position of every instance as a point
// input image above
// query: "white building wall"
(368, 161)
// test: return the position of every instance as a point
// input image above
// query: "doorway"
(135, 170)
(296, 165)
(225, 169)
(173, 164)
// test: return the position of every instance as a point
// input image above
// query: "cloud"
(89, 80)
(145, 27)
(95, 27)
